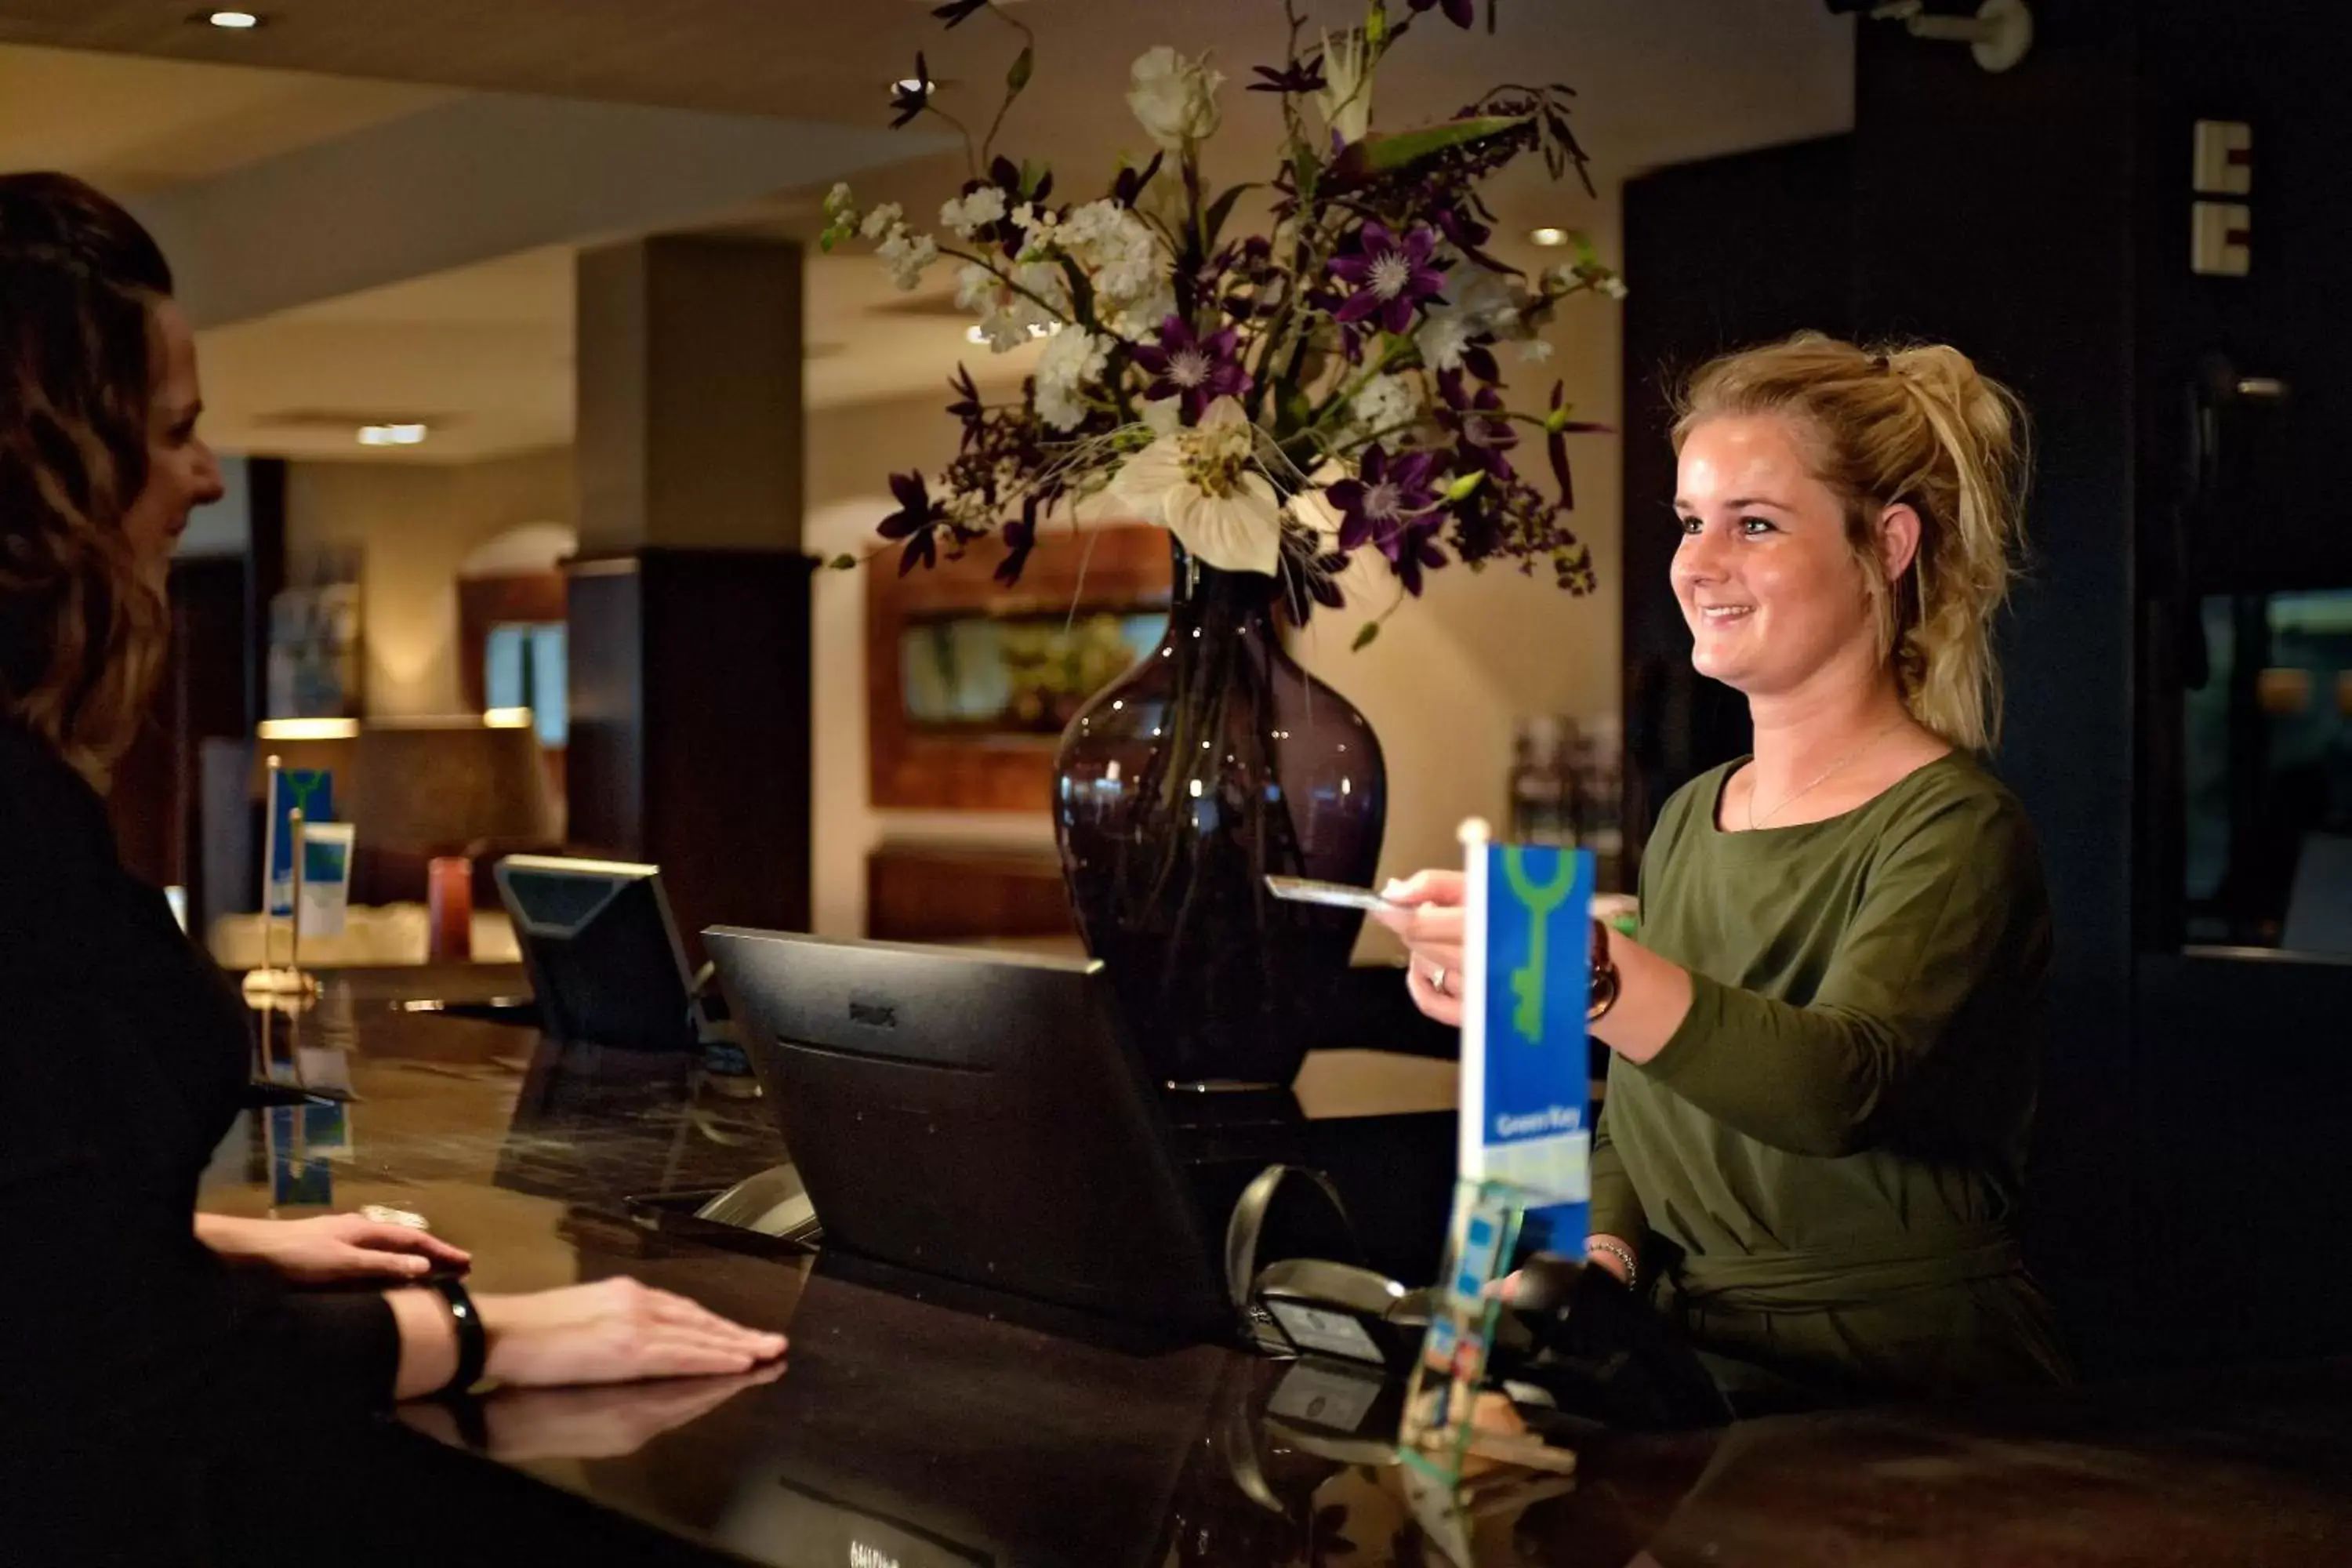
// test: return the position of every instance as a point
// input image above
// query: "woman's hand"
(1430, 925)
(614, 1330)
(331, 1248)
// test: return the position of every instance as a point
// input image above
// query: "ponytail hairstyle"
(1913, 425)
(83, 632)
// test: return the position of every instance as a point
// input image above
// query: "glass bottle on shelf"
(1543, 788)
(1599, 785)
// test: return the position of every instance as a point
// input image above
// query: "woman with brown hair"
(1829, 1032)
(127, 1335)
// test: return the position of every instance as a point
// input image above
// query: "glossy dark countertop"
(915, 1432)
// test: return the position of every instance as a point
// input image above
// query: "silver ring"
(1437, 979)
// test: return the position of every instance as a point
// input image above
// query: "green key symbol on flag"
(1527, 982)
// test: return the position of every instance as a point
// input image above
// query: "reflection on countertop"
(916, 1426)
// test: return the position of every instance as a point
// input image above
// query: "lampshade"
(446, 786)
(305, 743)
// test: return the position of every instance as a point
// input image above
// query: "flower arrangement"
(1279, 402)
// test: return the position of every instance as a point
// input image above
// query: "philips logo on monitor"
(873, 1011)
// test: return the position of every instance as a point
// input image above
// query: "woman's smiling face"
(1766, 577)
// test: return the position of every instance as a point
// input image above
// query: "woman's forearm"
(224, 1233)
(1653, 997)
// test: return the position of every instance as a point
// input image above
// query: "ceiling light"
(914, 84)
(392, 435)
(976, 333)
(307, 729)
(1549, 238)
(235, 21)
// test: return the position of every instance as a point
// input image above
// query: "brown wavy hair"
(1915, 425)
(83, 633)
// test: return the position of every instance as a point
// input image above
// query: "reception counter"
(913, 1425)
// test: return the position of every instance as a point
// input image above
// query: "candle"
(449, 882)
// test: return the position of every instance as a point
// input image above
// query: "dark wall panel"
(1720, 255)
(1994, 212)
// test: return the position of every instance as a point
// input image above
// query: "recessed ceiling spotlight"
(393, 435)
(233, 21)
(1549, 238)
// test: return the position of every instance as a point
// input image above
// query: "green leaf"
(1376, 155)
(844, 563)
(1032, 175)
(1376, 23)
(1466, 486)
(1018, 77)
(1222, 209)
(1294, 410)
(1364, 637)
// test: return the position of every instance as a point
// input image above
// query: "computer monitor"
(976, 1116)
(604, 958)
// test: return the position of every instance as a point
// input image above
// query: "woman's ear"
(1898, 540)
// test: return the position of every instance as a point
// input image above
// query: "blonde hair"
(1909, 425)
(83, 632)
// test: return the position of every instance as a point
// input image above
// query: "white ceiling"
(486, 348)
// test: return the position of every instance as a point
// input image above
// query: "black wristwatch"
(1604, 976)
(473, 1340)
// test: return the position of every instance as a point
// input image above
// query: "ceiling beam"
(477, 178)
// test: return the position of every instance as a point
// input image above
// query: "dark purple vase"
(1178, 790)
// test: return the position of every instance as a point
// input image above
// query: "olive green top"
(1832, 1144)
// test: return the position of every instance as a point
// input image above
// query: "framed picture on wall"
(969, 684)
(314, 667)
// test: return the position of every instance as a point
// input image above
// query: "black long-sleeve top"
(128, 1349)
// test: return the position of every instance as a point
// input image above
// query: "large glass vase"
(1214, 762)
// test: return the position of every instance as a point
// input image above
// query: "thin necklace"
(1853, 757)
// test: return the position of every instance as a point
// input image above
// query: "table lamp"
(452, 789)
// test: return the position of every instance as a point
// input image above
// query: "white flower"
(1036, 229)
(1387, 402)
(1137, 319)
(1443, 340)
(1008, 317)
(882, 220)
(1311, 511)
(1535, 351)
(1175, 98)
(1073, 359)
(839, 200)
(909, 256)
(1346, 103)
(1164, 418)
(1202, 486)
(1613, 286)
(968, 216)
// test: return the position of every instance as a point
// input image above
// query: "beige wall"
(416, 523)
(1443, 685)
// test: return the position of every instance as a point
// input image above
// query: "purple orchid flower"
(1415, 550)
(1461, 13)
(1382, 501)
(1393, 276)
(1020, 538)
(1557, 428)
(1198, 369)
(916, 521)
(1481, 434)
(912, 95)
(1293, 79)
